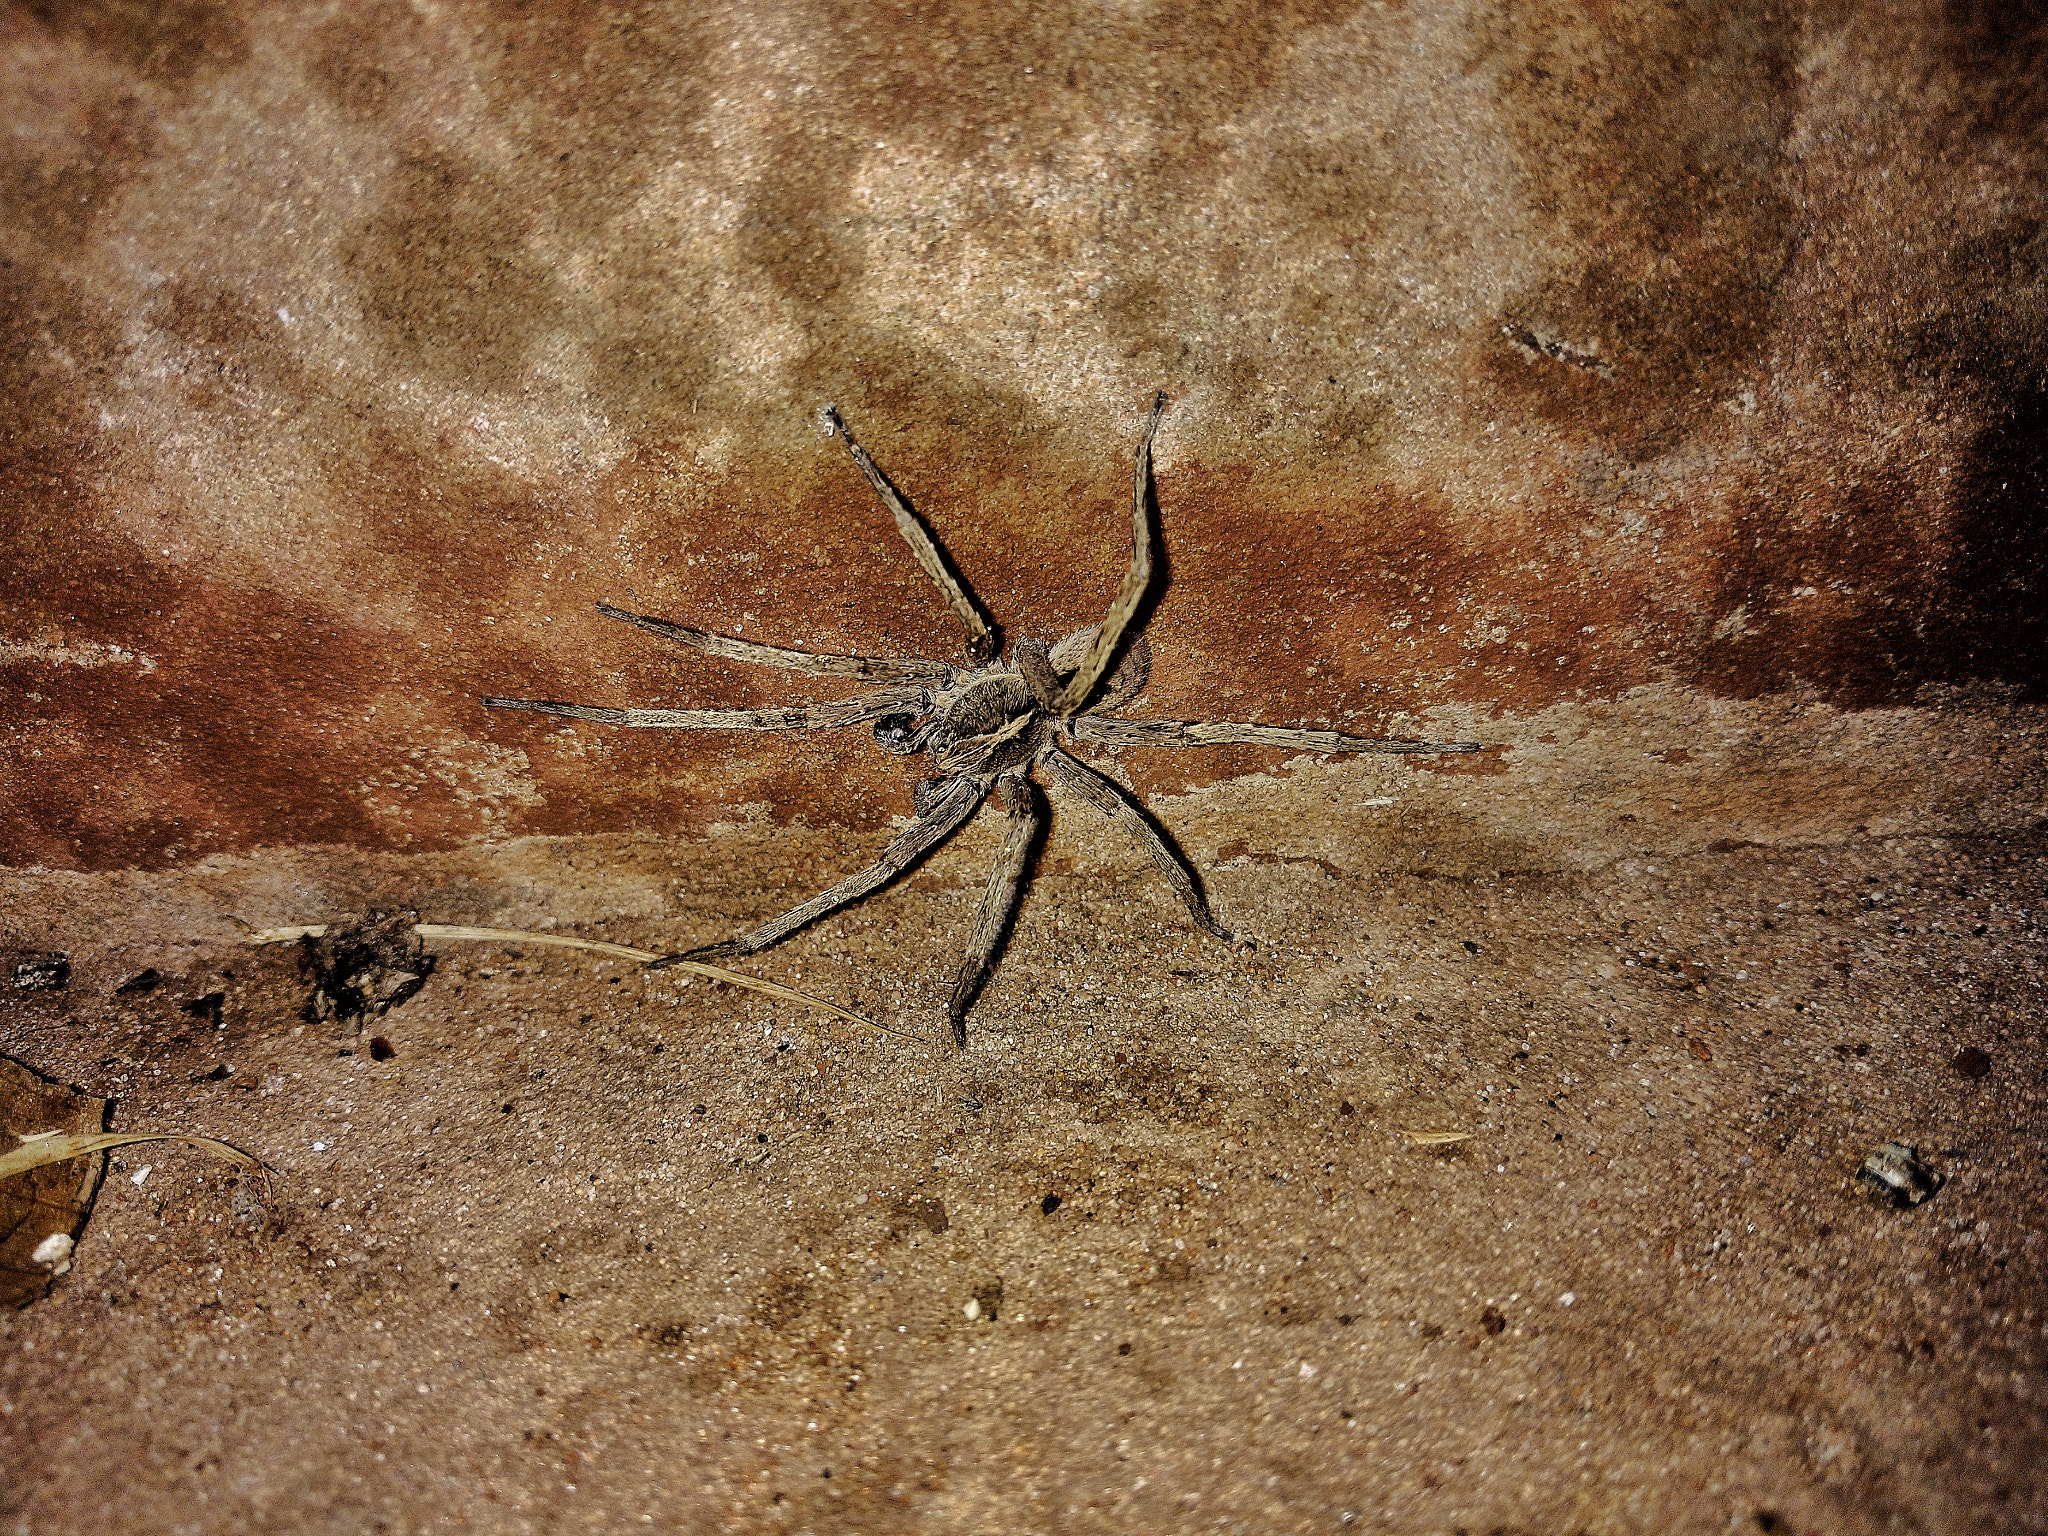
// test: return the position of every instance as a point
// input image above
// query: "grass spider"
(985, 726)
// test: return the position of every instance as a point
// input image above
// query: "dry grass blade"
(624, 952)
(598, 946)
(554, 940)
(1435, 1138)
(60, 1146)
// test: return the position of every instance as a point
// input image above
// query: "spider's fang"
(899, 734)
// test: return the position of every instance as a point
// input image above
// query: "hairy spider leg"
(1189, 733)
(941, 820)
(981, 640)
(1025, 805)
(1112, 800)
(808, 662)
(803, 717)
(1125, 606)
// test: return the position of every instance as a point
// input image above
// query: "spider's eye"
(898, 734)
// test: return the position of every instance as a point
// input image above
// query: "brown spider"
(986, 726)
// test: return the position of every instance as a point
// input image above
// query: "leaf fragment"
(49, 1201)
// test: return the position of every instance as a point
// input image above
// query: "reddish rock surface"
(1517, 360)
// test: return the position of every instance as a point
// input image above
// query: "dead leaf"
(363, 968)
(50, 1200)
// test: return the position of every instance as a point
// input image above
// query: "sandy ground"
(580, 1247)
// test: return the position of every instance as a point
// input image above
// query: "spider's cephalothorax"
(985, 729)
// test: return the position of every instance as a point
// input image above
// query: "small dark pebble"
(208, 1007)
(1492, 1321)
(381, 1049)
(1049, 1204)
(1971, 1062)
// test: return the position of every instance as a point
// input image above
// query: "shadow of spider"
(985, 726)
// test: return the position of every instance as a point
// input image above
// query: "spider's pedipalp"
(945, 817)
(1189, 733)
(803, 717)
(808, 662)
(981, 639)
(1034, 661)
(1125, 605)
(1028, 818)
(1114, 802)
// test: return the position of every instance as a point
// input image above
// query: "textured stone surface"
(1519, 356)
(587, 1245)
(1655, 394)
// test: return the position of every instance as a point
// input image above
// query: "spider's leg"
(1026, 808)
(1112, 800)
(1191, 733)
(981, 640)
(802, 717)
(947, 813)
(1136, 580)
(807, 662)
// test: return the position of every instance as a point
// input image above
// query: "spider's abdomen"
(994, 727)
(986, 708)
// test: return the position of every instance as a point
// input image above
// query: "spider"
(985, 726)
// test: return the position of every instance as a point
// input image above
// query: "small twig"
(1435, 1138)
(598, 946)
